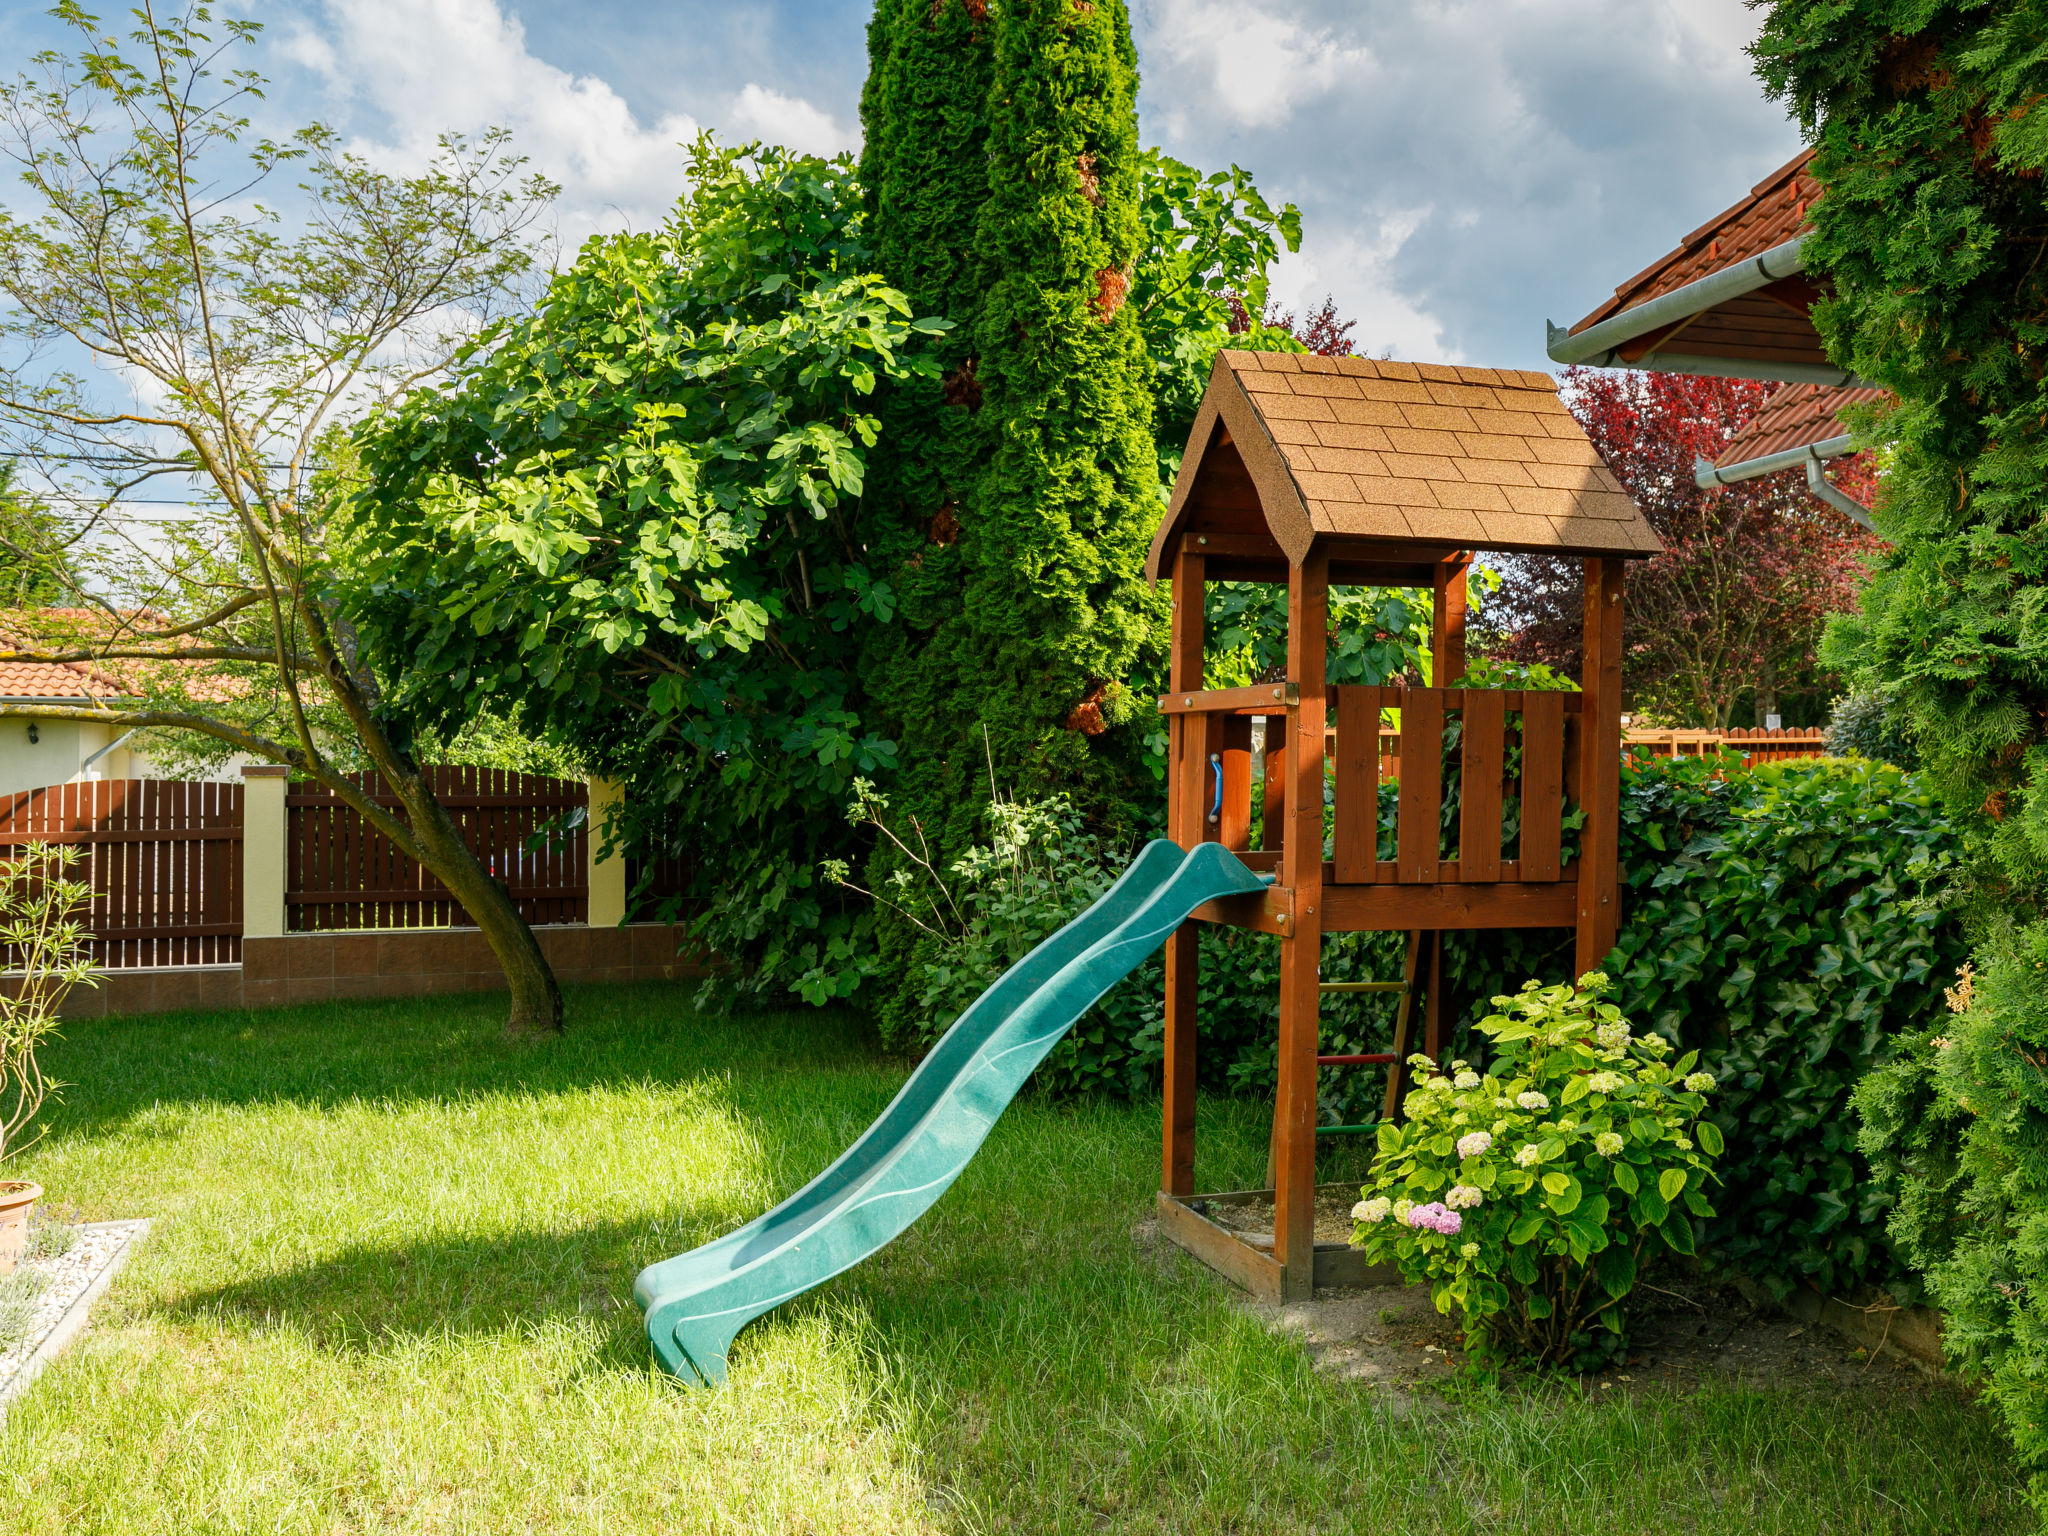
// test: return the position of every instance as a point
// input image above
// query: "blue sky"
(1465, 167)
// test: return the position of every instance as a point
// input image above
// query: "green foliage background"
(1931, 148)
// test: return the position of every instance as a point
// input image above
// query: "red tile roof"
(1774, 212)
(102, 680)
(1797, 416)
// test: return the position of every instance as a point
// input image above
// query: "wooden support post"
(1600, 767)
(1447, 622)
(1301, 866)
(1177, 1155)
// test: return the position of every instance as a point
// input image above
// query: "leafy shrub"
(1526, 1197)
(1786, 922)
(45, 945)
(1956, 1127)
(1869, 723)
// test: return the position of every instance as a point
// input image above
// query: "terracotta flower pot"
(17, 1198)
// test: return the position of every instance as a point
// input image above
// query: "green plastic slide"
(697, 1302)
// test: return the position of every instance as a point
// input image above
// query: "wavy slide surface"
(697, 1302)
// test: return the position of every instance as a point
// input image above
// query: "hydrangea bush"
(1529, 1196)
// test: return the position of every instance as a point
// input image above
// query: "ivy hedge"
(1784, 921)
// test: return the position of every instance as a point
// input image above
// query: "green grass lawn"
(389, 1290)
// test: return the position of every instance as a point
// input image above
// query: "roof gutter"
(1597, 346)
(1679, 304)
(1706, 476)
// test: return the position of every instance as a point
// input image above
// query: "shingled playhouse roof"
(1395, 456)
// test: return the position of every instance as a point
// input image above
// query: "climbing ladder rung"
(1361, 986)
(1356, 1061)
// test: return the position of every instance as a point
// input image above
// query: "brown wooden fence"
(1756, 745)
(342, 873)
(164, 859)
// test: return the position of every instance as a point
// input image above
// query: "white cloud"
(1257, 68)
(761, 113)
(1357, 269)
(423, 67)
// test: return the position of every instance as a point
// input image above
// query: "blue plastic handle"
(1216, 767)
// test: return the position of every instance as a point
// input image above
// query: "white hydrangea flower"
(1464, 1197)
(1533, 1101)
(1475, 1144)
(1607, 1143)
(1467, 1079)
(1375, 1209)
(1612, 1036)
(1683, 1143)
(1503, 1102)
(1469, 1251)
(1606, 1082)
(1529, 1156)
(1699, 1082)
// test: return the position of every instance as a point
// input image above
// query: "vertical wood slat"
(152, 871)
(334, 852)
(1484, 713)
(1235, 832)
(1419, 828)
(1542, 784)
(1273, 785)
(1357, 783)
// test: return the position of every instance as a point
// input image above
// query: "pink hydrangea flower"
(1436, 1217)
(1474, 1144)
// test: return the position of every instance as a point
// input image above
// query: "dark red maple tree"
(1322, 330)
(1748, 575)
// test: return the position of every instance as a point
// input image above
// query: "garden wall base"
(410, 962)
(1877, 1323)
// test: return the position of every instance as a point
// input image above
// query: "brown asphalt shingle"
(1479, 457)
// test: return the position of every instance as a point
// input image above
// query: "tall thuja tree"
(924, 178)
(1932, 147)
(1057, 609)
(1025, 601)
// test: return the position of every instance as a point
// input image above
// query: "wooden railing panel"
(1485, 719)
(1357, 783)
(1543, 762)
(1421, 801)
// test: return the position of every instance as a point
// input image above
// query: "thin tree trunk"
(536, 996)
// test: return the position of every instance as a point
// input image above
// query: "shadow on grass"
(399, 1049)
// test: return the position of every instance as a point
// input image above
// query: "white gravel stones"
(72, 1283)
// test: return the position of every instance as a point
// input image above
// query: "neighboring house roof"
(1410, 454)
(99, 682)
(1797, 416)
(1732, 298)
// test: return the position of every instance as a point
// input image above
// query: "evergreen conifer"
(1018, 497)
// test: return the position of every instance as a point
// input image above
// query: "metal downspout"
(1706, 475)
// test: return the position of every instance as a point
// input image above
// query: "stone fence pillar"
(607, 877)
(264, 830)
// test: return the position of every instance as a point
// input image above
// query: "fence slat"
(1479, 800)
(1543, 762)
(347, 874)
(1419, 831)
(1357, 782)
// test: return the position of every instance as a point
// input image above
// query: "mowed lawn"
(389, 1290)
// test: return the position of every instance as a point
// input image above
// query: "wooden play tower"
(1313, 471)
